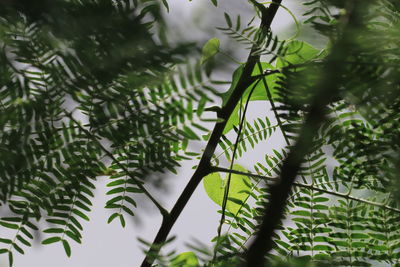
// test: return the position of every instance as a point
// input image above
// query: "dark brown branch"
(204, 166)
(326, 88)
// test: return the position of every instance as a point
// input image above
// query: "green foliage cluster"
(92, 88)
(86, 90)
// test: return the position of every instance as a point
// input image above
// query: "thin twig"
(228, 183)
(311, 187)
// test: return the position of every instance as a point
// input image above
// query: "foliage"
(108, 96)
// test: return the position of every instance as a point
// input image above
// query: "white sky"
(106, 245)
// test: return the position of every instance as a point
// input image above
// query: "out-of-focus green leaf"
(51, 240)
(67, 248)
(165, 3)
(232, 121)
(238, 189)
(235, 79)
(185, 259)
(210, 49)
(297, 52)
(260, 93)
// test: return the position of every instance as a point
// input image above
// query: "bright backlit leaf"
(238, 190)
(297, 52)
(187, 259)
(210, 49)
(259, 93)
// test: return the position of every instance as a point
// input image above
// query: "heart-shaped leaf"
(238, 190)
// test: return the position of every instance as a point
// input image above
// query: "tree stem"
(204, 166)
(326, 88)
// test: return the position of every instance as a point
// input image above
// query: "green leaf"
(186, 259)
(165, 3)
(234, 118)
(73, 236)
(10, 258)
(51, 240)
(297, 52)
(235, 79)
(67, 248)
(130, 200)
(259, 92)
(232, 121)
(76, 223)
(210, 49)
(190, 134)
(114, 199)
(116, 190)
(122, 220)
(6, 241)
(133, 190)
(238, 191)
(320, 199)
(18, 248)
(9, 225)
(80, 214)
(201, 105)
(23, 241)
(116, 182)
(228, 20)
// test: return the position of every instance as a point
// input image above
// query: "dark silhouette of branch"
(326, 88)
(224, 113)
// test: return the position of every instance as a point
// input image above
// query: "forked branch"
(224, 113)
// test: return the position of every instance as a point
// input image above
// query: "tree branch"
(326, 88)
(204, 166)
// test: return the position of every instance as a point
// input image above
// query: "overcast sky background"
(106, 245)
